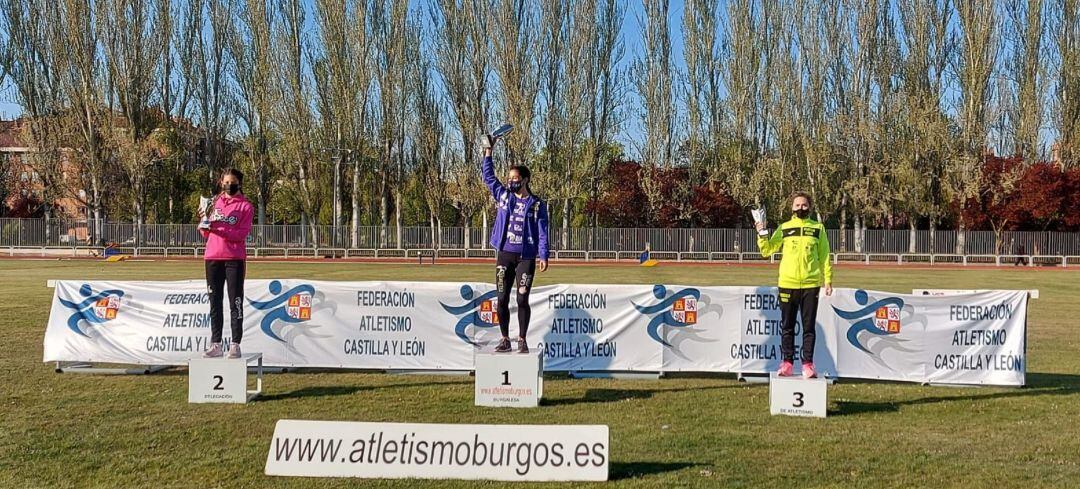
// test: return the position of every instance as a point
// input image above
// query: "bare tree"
(653, 74)
(604, 101)
(514, 45)
(133, 45)
(975, 66)
(461, 50)
(390, 28)
(1066, 107)
(1027, 72)
(250, 49)
(925, 143)
(27, 61)
(76, 55)
(207, 67)
(293, 115)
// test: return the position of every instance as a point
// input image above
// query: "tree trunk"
(933, 235)
(912, 236)
(566, 224)
(397, 218)
(484, 233)
(859, 234)
(355, 224)
(960, 235)
(843, 224)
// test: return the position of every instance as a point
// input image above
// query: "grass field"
(62, 430)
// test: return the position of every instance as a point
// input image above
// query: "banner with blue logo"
(975, 338)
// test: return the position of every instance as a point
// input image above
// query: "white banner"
(975, 338)
(439, 451)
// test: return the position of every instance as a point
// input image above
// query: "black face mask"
(802, 213)
(232, 188)
(515, 185)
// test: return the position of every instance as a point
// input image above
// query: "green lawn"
(64, 430)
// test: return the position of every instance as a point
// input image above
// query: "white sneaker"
(234, 350)
(214, 351)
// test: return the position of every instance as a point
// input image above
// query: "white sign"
(651, 328)
(796, 396)
(223, 380)
(439, 451)
(509, 379)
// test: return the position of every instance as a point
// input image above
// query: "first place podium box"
(223, 380)
(509, 379)
(796, 396)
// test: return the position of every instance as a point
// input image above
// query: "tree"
(653, 75)
(974, 65)
(1066, 107)
(133, 44)
(250, 49)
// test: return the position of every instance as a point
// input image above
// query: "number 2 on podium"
(506, 377)
(219, 380)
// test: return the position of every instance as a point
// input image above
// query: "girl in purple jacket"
(520, 238)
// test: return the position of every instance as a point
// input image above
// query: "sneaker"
(214, 351)
(234, 350)
(503, 346)
(785, 369)
(523, 347)
(808, 371)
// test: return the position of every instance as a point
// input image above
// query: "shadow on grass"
(1038, 384)
(340, 390)
(629, 470)
(615, 395)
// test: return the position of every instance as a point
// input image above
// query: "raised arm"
(772, 244)
(492, 182)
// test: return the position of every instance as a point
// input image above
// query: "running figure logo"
(680, 310)
(94, 309)
(478, 312)
(291, 307)
(875, 326)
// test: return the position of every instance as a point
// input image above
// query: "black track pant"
(512, 272)
(218, 273)
(803, 302)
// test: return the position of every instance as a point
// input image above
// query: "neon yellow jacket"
(805, 245)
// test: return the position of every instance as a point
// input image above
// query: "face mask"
(802, 213)
(232, 188)
(515, 185)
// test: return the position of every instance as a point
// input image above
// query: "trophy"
(489, 140)
(759, 217)
(206, 204)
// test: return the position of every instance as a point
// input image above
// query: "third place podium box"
(796, 396)
(223, 379)
(509, 379)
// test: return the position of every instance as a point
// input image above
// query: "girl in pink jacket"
(225, 256)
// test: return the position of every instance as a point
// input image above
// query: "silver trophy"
(489, 140)
(206, 204)
(759, 217)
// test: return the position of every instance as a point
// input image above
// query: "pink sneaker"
(785, 369)
(214, 351)
(234, 350)
(808, 371)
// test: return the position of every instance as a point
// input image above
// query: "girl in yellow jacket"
(804, 269)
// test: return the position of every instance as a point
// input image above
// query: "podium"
(509, 379)
(223, 380)
(796, 396)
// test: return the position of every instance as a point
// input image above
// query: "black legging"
(803, 302)
(218, 273)
(505, 282)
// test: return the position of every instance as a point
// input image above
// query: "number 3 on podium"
(798, 402)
